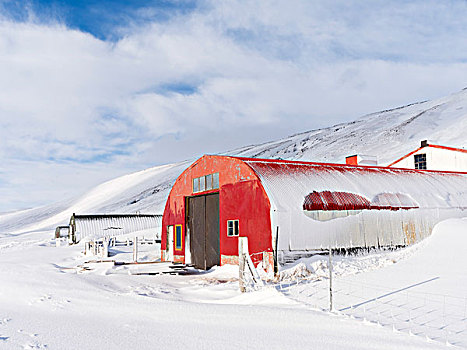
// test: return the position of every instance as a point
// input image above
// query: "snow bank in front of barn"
(318, 266)
(444, 255)
(444, 252)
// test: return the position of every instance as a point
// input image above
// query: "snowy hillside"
(144, 191)
(388, 135)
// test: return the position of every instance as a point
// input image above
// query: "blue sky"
(91, 90)
(104, 19)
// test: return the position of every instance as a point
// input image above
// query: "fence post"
(410, 322)
(105, 248)
(135, 250)
(242, 248)
(276, 261)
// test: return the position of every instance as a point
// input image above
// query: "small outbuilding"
(289, 209)
(62, 231)
(97, 226)
(433, 157)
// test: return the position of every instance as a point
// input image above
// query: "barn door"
(196, 222)
(203, 224)
(212, 231)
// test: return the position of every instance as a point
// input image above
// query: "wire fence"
(433, 316)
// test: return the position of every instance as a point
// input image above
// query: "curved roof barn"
(291, 207)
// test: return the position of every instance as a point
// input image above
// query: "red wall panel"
(247, 202)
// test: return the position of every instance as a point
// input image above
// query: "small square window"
(215, 180)
(196, 185)
(232, 228)
(420, 161)
(202, 183)
(208, 182)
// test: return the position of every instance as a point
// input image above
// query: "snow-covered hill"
(144, 191)
(387, 134)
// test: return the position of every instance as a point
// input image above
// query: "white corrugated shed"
(100, 226)
(287, 183)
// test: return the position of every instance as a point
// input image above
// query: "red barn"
(289, 209)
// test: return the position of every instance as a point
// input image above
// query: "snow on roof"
(393, 201)
(100, 226)
(288, 183)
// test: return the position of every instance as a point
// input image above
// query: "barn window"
(208, 182)
(202, 183)
(196, 185)
(178, 237)
(232, 228)
(420, 161)
(215, 180)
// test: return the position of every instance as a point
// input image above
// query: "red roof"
(295, 164)
(327, 200)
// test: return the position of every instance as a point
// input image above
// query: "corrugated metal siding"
(100, 226)
(437, 195)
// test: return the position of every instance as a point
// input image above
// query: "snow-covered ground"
(50, 298)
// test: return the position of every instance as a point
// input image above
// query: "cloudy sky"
(91, 90)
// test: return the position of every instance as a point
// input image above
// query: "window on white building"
(420, 161)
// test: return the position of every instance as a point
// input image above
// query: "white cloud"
(254, 71)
